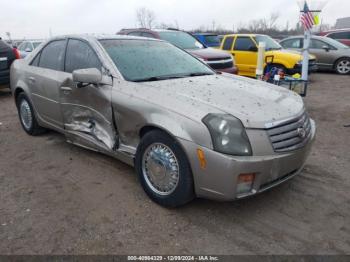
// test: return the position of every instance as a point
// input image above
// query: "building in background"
(342, 23)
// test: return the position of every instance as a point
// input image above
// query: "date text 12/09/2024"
(173, 258)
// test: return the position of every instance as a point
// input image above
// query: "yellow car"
(244, 48)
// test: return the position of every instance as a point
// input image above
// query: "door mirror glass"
(87, 76)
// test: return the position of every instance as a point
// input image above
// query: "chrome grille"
(220, 63)
(290, 135)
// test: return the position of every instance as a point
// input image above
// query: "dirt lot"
(56, 198)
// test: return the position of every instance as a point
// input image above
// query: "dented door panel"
(87, 115)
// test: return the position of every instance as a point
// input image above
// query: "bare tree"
(145, 18)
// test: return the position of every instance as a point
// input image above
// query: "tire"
(165, 189)
(342, 66)
(27, 116)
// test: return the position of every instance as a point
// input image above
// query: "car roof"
(89, 37)
(205, 34)
(301, 36)
(251, 35)
(336, 30)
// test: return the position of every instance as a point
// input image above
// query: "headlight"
(228, 134)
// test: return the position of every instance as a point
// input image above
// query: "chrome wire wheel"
(160, 169)
(343, 66)
(26, 114)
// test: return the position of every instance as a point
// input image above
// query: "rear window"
(181, 39)
(292, 43)
(52, 56)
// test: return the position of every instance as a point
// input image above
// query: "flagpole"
(305, 65)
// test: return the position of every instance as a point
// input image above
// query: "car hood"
(255, 103)
(209, 53)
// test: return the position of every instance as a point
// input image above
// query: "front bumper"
(298, 69)
(218, 180)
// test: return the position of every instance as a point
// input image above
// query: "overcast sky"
(35, 18)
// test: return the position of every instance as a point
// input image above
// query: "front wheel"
(164, 170)
(342, 66)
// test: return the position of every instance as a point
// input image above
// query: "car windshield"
(181, 39)
(36, 44)
(146, 60)
(335, 43)
(213, 40)
(270, 43)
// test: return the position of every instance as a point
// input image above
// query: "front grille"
(228, 63)
(290, 135)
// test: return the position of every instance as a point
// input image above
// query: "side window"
(36, 60)
(317, 44)
(244, 44)
(52, 56)
(292, 43)
(135, 34)
(340, 35)
(80, 56)
(228, 43)
(149, 35)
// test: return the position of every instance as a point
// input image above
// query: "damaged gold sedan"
(187, 130)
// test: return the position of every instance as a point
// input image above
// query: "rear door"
(246, 59)
(44, 76)
(87, 111)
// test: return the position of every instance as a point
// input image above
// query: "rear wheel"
(164, 170)
(342, 66)
(27, 116)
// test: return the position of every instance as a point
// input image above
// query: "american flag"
(307, 19)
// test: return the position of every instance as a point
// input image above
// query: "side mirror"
(253, 49)
(28, 50)
(326, 48)
(87, 76)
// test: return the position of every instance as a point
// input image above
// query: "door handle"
(66, 88)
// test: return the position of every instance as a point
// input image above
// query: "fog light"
(245, 183)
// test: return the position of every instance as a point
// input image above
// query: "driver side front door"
(87, 111)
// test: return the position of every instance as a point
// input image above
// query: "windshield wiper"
(200, 74)
(159, 78)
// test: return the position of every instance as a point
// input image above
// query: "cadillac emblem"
(301, 132)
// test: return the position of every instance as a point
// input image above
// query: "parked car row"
(326, 53)
(26, 47)
(188, 130)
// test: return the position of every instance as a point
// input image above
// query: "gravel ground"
(56, 198)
